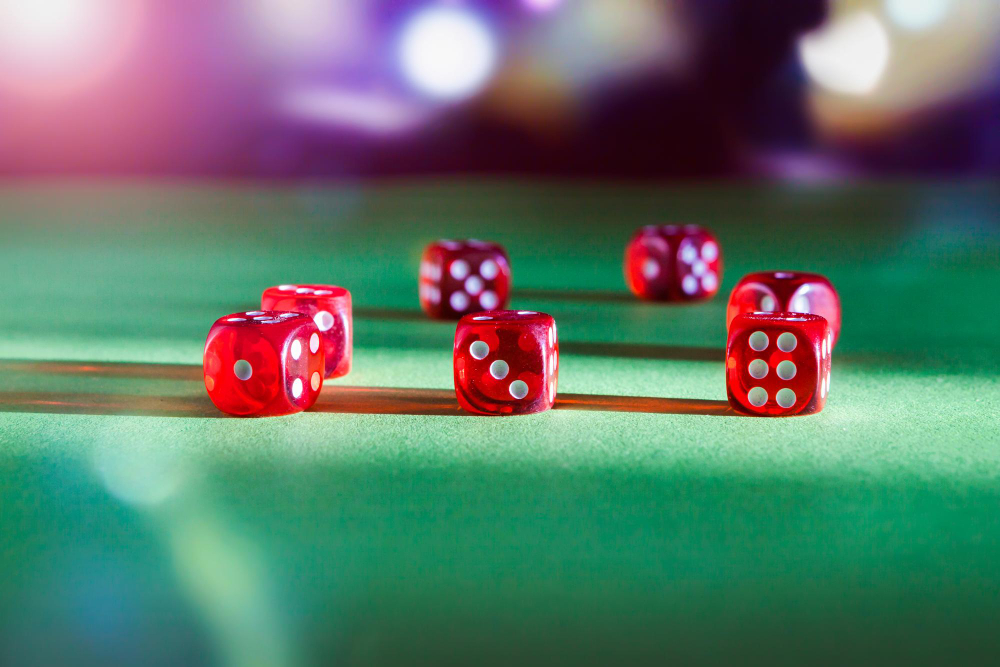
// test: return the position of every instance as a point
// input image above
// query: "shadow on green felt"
(175, 390)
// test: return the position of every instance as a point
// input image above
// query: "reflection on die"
(263, 363)
(778, 364)
(462, 277)
(329, 307)
(506, 362)
(673, 263)
(786, 291)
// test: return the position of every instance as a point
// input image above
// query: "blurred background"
(788, 89)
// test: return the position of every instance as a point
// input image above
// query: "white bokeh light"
(917, 15)
(447, 53)
(56, 45)
(541, 5)
(847, 55)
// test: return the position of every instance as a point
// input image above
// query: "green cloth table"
(640, 518)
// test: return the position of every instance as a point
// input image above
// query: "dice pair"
(673, 263)
(782, 329)
(462, 277)
(273, 361)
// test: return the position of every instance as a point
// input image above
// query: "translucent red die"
(461, 277)
(263, 363)
(787, 291)
(778, 364)
(506, 362)
(329, 307)
(673, 263)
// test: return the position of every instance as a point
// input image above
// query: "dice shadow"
(582, 296)
(643, 351)
(190, 401)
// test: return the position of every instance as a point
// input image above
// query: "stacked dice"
(273, 361)
(782, 329)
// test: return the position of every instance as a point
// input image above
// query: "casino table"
(640, 520)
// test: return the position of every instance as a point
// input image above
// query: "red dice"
(673, 263)
(778, 364)
(788, 291)
(461, 277)
(263, 363)
(506, 362)
(329, 307)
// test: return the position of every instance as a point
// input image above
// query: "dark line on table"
(585, 296)
(642, 351)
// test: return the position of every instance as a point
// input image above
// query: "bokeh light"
(57, 45)
(541, 5)
(848, 55)
(917, 15)
(447, 53)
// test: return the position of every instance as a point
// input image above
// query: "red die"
(673, 263)
(793, 292)
(329, 307)
(460, 277)
(778, 363)
(506, 362)
(263, 363)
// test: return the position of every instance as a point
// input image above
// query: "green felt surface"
(640, 518)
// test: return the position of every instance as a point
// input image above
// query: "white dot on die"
(482, 317)
(801, 305)
(699, 268)
(689, 254)
(786, 370)
(787, 342)
(285, 316)
(315, 381)
(262, 317)
(473, 285)
(499, 369)
(322, 292)
(479, 349)
(489, 269)
(287, 288)
(758, 341)
(757, 396)
(242, 369)
(303, 290)
(650, 268)
(323, 320)
(526, 312)
(434, 295)
(459, 301)
(767, 303)
(709, 251)
(689, 284)
(296, 349)
(314, 343)
(519, 389)
(489, 300)
(823, 348)
(785, 397)
(758, 369)
(459, 269)
(255, 312)
(710, 282)
(237, 319)
(297, 388)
